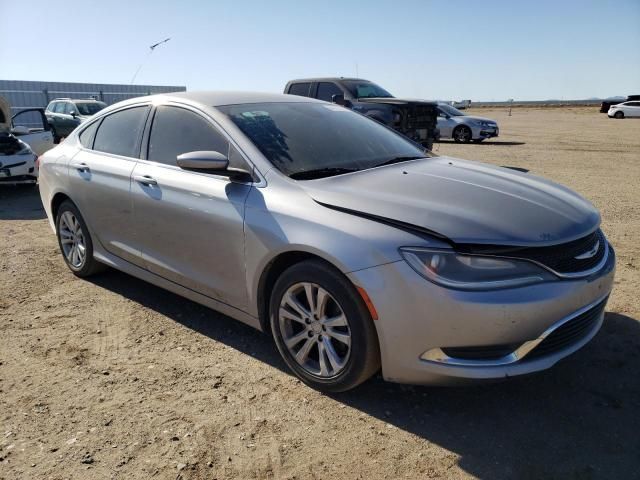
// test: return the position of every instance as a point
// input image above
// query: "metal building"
(29, 94)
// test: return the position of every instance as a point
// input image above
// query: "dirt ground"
(114, 378)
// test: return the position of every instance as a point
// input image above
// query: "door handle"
(81, 167)
(145, 179)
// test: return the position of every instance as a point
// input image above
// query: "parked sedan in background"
(462, 127)
(624, 110)
(347, 242)
(65, 114)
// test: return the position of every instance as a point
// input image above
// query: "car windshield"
(89, 108)
(313, 140)
(365, 89)
(449, 110)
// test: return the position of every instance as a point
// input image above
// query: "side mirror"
(73, 113)
(203, 161)
(340, 100)
(20, 130)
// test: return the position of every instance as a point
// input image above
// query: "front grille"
(559, 258)
(569, 333)
(562, 258)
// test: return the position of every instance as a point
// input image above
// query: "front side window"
(176, 131)
(68, 108)
(449, 110)
(301, 89)
(120, 132)
(363, 89)
(327, 90)
(301, 138)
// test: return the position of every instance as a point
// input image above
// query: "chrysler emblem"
(589, 253)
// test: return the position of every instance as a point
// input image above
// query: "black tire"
(89, 265)
(618, 114)
(56, 138)
(364, 357)
(462, 134)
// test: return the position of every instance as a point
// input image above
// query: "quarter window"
(120, 132)
(87, 135)
(327, 90)
(176, 131)
(301, 89)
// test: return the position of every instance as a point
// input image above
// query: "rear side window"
(52, 107)
(120, 132)
(327, 90)
(301, 89)
(87, 135)
(176, 131)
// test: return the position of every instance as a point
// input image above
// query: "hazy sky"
(491, 50)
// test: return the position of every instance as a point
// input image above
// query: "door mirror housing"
(203, 160)
(210, 161)
(340, 100)
(20, 130)
(73, 113)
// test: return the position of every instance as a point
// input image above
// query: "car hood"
(466, 202)
(395, 101)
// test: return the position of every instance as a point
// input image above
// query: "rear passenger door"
(632, 109)
(190, 225)
(100, 177)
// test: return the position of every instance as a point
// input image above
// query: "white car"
(463, 128)
(623, 110)
(21, 145)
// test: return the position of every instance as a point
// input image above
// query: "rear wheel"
(619, 114)
(322, 328)
(56, 138)
(75, 241)
(462, 134)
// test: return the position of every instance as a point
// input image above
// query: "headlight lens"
(473, 272)
(24, 149)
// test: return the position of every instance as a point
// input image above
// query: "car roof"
(220, 98)
(329, 79)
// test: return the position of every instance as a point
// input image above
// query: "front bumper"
(18, 169)
(485, 132)
(418, 319)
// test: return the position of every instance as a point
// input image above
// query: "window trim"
(316, 90)
(310, 89)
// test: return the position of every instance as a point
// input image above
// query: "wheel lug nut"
(310, 334)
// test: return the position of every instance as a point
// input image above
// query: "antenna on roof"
(151, 49)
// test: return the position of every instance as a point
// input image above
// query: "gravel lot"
(114, 378)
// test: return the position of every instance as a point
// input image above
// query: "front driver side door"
(190, 225)
(445, 124)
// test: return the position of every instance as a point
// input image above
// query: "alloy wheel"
(315, 329)
(72, 240)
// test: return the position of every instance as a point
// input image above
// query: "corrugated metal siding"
(31, 94)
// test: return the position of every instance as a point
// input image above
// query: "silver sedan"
(352, 246)
(464, 128)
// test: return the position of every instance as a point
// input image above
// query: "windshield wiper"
(406, 158)
(321, 173)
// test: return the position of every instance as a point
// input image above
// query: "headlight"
(473, 272)
(24, 149)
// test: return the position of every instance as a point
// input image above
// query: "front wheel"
(462, 134)
(322, 327)
(619, 114)
(75, 241)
